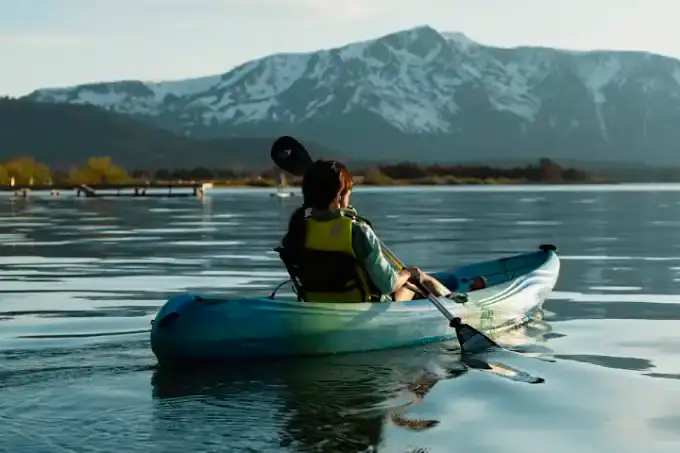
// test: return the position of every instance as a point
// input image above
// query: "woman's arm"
(379, 269)
(368, 252)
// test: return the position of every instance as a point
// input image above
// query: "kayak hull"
(191, 327)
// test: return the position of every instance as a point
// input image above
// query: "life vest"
(327, 268)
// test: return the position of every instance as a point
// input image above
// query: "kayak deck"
(193, 327)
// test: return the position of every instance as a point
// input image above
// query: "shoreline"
(417, 182)
(218, 185)
(26, 171)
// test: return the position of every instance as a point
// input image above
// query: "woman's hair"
(321, 185)
(324, 182)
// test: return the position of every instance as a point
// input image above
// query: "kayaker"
(333, 255)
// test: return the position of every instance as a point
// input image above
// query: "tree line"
(545, 171)
(102, 170)
(27, 170)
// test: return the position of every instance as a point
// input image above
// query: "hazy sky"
(46, 43)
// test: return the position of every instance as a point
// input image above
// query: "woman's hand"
(415, 275)
(411, 277)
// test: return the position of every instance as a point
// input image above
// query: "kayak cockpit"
(497, 271)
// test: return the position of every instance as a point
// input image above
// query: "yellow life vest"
(329, 270)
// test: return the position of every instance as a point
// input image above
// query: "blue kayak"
(190, 327)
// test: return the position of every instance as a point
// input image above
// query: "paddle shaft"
(433, 298)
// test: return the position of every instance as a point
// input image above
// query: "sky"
(52, 43)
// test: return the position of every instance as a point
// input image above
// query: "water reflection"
(610, 308)
(619, 363)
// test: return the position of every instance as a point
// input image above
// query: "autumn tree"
(25, 170)
(376, 177)
(98, 170)
(4, 176)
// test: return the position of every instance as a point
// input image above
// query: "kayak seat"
(308, 270)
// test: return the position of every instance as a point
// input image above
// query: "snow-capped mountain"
(424, 95)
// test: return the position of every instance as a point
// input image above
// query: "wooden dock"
(182, 189)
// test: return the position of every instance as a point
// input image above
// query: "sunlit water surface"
(81, 280)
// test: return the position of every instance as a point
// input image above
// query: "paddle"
(291, 156)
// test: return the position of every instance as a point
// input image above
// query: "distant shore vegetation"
(544, 171)
(102, 170)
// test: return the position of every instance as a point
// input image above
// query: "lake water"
(81, 280)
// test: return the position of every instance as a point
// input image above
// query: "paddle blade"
(472, 340)
(289, 155)
(502, 370)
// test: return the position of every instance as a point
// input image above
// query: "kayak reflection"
(332, 404)
(328, 404)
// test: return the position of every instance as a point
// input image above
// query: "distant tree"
(141, 174)
(403, 170)
(60, 176)
(98, 170)
(163, 174)
(225, 173)
(270, 173)
(4, 176)
(549, 170)
(573, 174)
(200, 173)
(376, 177)
(25, 170)
(180, 174)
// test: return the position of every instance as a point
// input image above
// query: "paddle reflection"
(418, 388)
(502, 370)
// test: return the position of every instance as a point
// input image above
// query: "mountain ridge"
(438, 95)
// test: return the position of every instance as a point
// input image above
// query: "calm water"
(81, 280)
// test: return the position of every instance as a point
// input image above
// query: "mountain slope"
(424, 94)
(65, 135)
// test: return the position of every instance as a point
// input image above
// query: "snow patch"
(412, 117)
(597, 73)
(460, 40)
(315, 104)
(353, 51)
(183, 88)
(242, 113)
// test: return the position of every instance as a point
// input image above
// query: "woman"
(333, 255)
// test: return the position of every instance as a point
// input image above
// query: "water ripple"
(82, 279)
